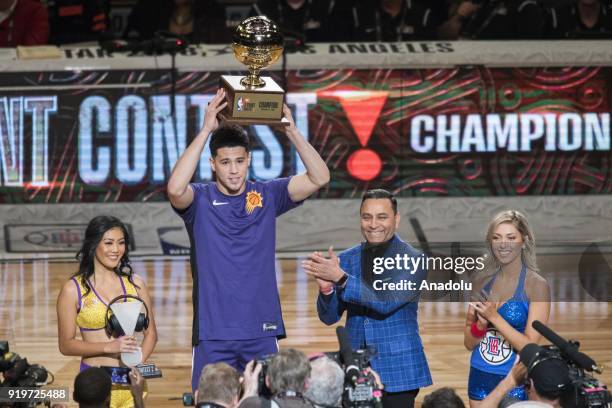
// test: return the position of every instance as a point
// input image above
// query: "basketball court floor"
(28, 320)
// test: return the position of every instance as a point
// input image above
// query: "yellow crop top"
(92, 309)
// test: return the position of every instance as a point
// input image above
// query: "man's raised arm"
(179, 191)
(302, 186)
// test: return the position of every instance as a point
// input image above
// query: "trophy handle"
(253, 80)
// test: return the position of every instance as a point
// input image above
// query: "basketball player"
(231, 225)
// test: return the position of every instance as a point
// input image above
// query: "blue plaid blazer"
(387, 321)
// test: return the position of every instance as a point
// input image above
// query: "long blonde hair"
(519, 221)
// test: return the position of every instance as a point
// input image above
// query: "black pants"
(403, 399)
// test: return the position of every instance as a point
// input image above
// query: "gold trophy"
(255, 100)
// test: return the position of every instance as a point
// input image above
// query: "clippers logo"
(494, 348)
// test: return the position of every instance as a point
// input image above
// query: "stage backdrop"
(114, 135)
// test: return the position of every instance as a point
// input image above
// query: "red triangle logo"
(362, 110)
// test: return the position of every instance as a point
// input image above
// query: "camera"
(262, 388)
(361, 390)
(576, 388)
(17, 372)
(360, 387)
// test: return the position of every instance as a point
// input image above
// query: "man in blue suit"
(377, 284)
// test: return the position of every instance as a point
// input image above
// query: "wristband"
(476, 332)
(329, 292)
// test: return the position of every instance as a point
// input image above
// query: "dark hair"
(443, 398)
(228, 135)
(92, 387)
(380, 193)
(96, 229)
(550, 377)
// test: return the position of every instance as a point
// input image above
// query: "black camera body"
(584, 391)
(361, 390)
(587, 391)
(262, 388)
(364, 393)
(578, 389)
(360, 387)
(17, 372)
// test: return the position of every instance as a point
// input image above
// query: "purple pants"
(236, 353)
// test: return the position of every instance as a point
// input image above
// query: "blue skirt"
(481, 383)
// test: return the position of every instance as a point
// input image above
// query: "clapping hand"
(323, 269)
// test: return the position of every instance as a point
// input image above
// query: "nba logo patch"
(494, 348)
(240, 104)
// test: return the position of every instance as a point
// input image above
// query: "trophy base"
(226, 117)
(132, 359)
(250, 105)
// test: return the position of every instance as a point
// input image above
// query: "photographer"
(286, 377)
(444, 397)
(219, 386)
(92, 388)
(545, 383)
(326, 383)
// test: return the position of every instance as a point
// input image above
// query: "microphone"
(346, 352)
(584, 361)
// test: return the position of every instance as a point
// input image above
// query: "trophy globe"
(253, 99)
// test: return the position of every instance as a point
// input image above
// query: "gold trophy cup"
(255, 100)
